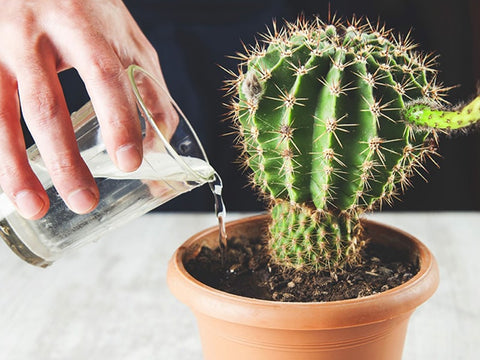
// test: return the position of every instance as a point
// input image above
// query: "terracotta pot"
(234, 327)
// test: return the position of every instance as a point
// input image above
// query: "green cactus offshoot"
(335, 119)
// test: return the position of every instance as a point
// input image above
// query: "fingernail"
(82, 201)
(29, 204)
(128, 157)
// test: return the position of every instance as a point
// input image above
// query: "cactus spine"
(335, 119)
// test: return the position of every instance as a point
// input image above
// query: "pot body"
(379, 341)
(234, 327)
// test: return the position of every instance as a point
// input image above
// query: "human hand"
(40, 38)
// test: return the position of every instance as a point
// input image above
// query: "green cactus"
(335, 119)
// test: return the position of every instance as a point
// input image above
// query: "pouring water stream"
(220, 211)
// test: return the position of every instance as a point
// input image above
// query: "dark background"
(194, 37)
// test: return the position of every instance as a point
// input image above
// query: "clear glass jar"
(174, 162)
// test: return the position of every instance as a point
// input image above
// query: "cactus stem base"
(303, 237)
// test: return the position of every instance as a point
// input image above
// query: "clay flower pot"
(234, 327)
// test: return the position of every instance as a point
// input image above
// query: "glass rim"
(131, 70)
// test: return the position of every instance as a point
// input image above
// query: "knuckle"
(42, 107)
(6, 114)
(63, 165)
(70, 13)
(8, 172)
(71, 7)
(14, 176)
(105, 69)
(25, 24)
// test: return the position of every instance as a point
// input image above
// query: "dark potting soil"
(246, 270)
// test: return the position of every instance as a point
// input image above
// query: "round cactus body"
(335, 119)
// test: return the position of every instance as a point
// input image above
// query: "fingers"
(107, 84)
(42, 45)
(47, 117)
(17, 179)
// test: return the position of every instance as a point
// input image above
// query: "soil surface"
(246, 269)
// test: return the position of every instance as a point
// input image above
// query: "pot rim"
(391, 303)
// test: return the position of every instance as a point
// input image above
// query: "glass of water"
(174, 162)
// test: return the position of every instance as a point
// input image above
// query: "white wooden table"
(109, 300)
